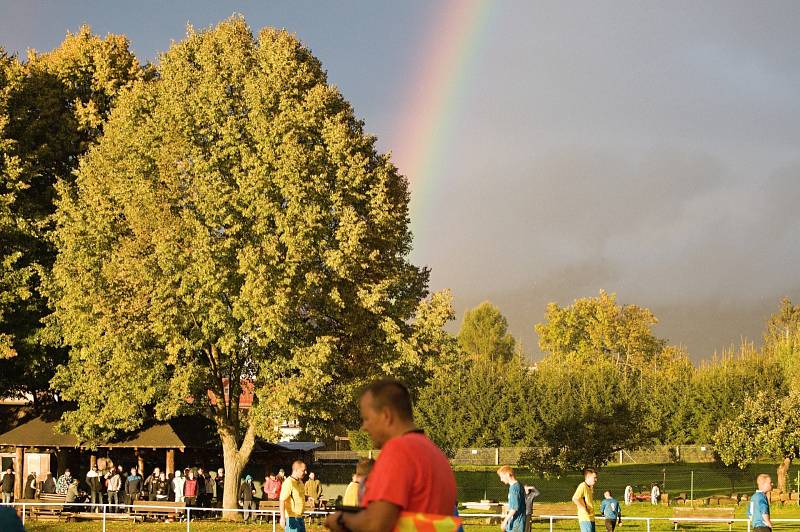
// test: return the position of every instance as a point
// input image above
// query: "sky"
(554, 149)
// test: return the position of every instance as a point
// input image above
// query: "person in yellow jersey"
(352, 495)
(292, 499)
(584, 500)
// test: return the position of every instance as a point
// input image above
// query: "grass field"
(474, 483)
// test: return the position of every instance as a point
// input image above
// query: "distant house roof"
(245, 397)
(179, 433)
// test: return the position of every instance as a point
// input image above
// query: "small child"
(611, 511)
(354, 491)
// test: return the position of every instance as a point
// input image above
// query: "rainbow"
(421, 148)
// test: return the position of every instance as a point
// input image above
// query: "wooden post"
(170, 461)
(92, 461)
(19, 478)
(140, 462)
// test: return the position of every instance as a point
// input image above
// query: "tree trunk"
(235, 458)
(783, 475)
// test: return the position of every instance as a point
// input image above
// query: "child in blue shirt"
(611, 511)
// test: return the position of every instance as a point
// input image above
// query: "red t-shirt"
(412, 473)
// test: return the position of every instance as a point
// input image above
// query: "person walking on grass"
(758, 511)
(515, 518)
(611, 511)
(293, 499)
(584, 500)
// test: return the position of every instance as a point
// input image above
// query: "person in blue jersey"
(515, 518)
(758, 511)
(611, 510)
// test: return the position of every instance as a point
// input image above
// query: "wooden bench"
(698, 515)
(159, 509)
(270, 506)
(51, 513)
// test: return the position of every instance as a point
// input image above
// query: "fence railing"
(26, 508)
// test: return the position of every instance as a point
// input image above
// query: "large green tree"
(720, 387)
(484, 334)
(782, 340)
(584, 408)
(599, 325)
(52, 108)
(233, 224)
(767, 426)
(476, 404)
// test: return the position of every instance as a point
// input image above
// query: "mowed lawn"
(708, 480)
(556, 493)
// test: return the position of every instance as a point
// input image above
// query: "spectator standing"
(161, 487)
(64, 482)
(758, 510)
(411, 473)
(179, 485)
(655, 493)
(49, 484)
(150, 484)
(246, 493)
(113, 487)
(515, 518)
(7, 486)
(30, 486)
(584, 500)
(272, 487)
(352, 494)
(190, 488)
(313, 489)
(628, 495)
(210, 491)
(133, 486)
(93, 481)
(200, 477)
(292, 499)
(220, 485)
(611, 511)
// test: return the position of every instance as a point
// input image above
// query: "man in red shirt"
(411, 473)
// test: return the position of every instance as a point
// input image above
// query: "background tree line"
(607, 383)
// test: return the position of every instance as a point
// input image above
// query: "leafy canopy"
(52, 108)
(234, 223)
(484, 334)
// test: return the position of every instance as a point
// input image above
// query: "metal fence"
(550, 522)
(488, 456)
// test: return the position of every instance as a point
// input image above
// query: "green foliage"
(52, 107)
(234, 224)
(782, 340)
(484, 334)
(475, 404)
(359, 440)
(598, 325)
(720, 387)
(585, 410)
(767, 426)
(665, 394)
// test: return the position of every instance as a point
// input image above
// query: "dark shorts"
(611, 524)
(762, 529)
(295, 524)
